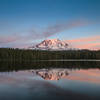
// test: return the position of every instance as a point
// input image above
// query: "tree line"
(32, 55)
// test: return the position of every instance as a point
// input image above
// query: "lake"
(50, 84)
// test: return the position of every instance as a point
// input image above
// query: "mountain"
(52, 74)
(51, 44)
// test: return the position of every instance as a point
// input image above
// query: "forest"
(11, 54)
(19, 59)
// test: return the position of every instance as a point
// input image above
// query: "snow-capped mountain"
(51, 44)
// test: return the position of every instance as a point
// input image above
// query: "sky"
(24, 23)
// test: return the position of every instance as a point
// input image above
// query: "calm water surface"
(47, 84)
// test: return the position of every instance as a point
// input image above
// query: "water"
(50, 84)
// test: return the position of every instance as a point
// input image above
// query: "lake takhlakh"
(50, 84)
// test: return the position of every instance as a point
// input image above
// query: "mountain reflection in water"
(47, 84)
(88, 75)
(52, 74)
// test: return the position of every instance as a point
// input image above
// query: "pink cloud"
(5, 39)
(92, 42)
(86, 39)
(89, 46)
(92, 46)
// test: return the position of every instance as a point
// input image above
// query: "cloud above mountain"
(37, 33)
(59, 27)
